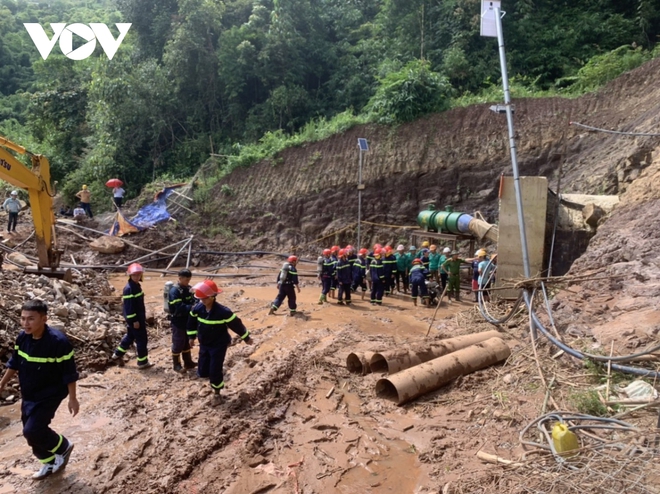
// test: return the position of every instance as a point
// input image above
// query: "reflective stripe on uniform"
(58, 444)
(142, 359)
(132, 315)
(218, 386)
(48, 460)
(141, 294)
(43, 360)
(175, 301)
(245, 336)
(222, 321)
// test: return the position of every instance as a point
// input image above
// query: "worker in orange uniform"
(287, 283)
(209, 322)
(135, 316)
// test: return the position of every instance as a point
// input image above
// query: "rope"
(618, 132)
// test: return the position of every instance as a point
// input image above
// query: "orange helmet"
(335, 248)
(388, 249)
(206, 288)
(341, 253)
(135, 268)
(378, 251)
(363, 252)
(417, 261)
(327, 252)
(292, 259)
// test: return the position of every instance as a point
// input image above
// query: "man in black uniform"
(180, 301)
(287, 283)
(43, 359)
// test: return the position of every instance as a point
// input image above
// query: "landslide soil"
(276, 431)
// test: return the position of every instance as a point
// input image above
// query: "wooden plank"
(534, 192)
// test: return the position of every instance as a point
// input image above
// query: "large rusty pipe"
(396, 360)
(359, 362)
(429, 376)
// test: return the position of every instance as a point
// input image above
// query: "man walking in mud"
(43, 360)
(209, 322)
(180, 300)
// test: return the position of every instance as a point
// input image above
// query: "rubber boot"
(458, 296)
(188, 362)
(415, 302)
(176, 363)
(321, 299)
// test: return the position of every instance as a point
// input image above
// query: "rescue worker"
(418, 276)
(425, 245)
(389, 265)
(334, 250)
(344, 278)
(209, 322)
(287, 284)
(434, 262)
(377, 275)
(479, 256)
(43, 359)
(180, 301)
(326, 273)
(424, 256)
(135, 316)
(370, 259)
(360, 272)
(443, 274)
(350, 255)
(453, 267)
(85, 197)
(403, 264)
(12, 206)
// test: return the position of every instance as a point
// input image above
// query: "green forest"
(241, 79)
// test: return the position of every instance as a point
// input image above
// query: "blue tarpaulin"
(146, 217)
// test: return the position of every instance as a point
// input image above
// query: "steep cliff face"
(451, 158)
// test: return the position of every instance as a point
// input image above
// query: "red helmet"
(341, 253)
(135, 268)
(377, 246)
(417, 261)
(206, 288)
(335, 248)
(378, 251)
(388, 249)
(292, 259)
(363, 252)
(349, 248)
(327, 252)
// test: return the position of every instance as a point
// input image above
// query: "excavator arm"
(37, 183)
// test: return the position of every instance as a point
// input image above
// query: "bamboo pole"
(177, 255)
(154, 252)
(189, 252)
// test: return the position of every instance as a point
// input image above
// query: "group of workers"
(381, 270)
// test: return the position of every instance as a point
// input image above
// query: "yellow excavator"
(36, 181)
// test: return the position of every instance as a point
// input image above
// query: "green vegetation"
(245, 79)
(588, 402)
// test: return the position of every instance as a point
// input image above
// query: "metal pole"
(512, 144)
(359, 232)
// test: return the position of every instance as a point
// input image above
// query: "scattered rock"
(108, 245)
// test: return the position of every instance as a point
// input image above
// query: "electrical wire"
(617, 132)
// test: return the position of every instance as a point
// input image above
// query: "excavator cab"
(36, 181)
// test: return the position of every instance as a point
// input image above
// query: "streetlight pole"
(364, 146)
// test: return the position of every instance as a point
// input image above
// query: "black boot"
(176, 363)
(188, 361)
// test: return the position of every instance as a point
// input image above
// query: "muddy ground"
(278, 431)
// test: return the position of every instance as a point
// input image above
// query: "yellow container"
(564, 440)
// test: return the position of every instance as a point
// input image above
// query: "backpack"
(166, 295)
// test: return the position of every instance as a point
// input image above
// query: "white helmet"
(446, 250)
(14, 192)
(400, 247)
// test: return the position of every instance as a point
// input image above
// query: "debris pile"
(88, 311)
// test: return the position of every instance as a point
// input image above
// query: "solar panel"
(362, 144)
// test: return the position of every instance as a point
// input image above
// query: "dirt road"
(155, 431)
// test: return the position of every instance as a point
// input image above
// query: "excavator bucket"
(60, 274)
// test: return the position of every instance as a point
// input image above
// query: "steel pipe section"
(393, 361)
(358, 363)
(412, 383)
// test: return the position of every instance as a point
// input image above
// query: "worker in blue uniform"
(377, 275)
(344, 278)
(43, 359)
(180, 301)
(418, 276)
(135, 316)
(326, 273)
(209, 322)
(287, 284)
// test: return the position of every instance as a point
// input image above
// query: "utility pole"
(364, 147)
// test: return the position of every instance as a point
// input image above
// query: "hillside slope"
(450, 158)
